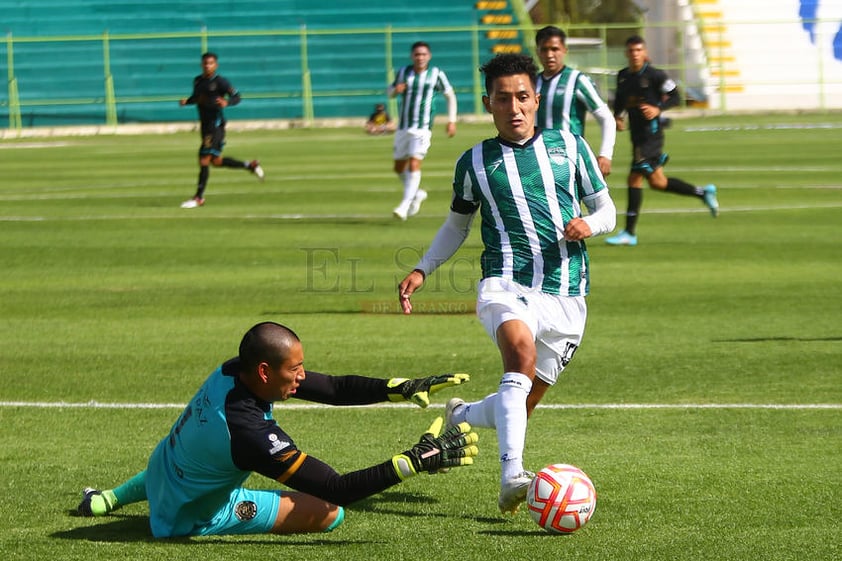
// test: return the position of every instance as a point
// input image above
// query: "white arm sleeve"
(450, 96)
(602, 214)
(609, 131)
(448, 239)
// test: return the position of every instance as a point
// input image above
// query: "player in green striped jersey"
(567, 95)
(528, 186)
(417, 85)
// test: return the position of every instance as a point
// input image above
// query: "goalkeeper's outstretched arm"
(455, 447)
(362, 390)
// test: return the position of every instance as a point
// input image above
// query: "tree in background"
(562, 12)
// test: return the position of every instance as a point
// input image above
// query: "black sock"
(204, 172)
(232, 163)
(633, 209)
(680, 187)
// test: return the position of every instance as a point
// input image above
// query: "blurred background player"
(379, 122)
(193, 480)
(211, 94)
(529, 186)
(643, 92)
(567, 95)
(417, 85)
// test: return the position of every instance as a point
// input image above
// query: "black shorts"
(648, 156)
(213, 141)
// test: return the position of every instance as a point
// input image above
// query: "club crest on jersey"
(558, 155)
(245, 510)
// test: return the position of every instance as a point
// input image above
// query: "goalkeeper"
(193, 481)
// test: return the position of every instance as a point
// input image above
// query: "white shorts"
(557, 322)
(412, 143)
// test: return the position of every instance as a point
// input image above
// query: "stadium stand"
(70, 57)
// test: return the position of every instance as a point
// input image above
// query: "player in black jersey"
(211, 94)
(643, 92)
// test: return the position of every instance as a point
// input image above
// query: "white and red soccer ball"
(561, 499)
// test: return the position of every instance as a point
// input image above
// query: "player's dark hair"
(635, 40)
(417, 44)
(266, 342)
(508, 64)
(546, 33)
(210, 55)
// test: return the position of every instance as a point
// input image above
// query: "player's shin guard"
(510, 418)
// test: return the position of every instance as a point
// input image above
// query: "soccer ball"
(561, 499)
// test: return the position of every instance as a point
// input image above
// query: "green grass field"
(705, 402)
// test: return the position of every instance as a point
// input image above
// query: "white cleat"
(449, 411)
(399, 213)
(193, 203)
(254, 167)
(513, 492)
(415, 205)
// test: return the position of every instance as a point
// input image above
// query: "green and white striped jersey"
(566, 99)
(417, 107)
(525, 196)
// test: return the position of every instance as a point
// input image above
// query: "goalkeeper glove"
(456, 447)
(418, 390)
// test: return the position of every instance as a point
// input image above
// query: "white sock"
(411, 182)
(480, 413)
(510, 419)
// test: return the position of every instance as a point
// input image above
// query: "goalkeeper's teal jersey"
(224, 434)
(566, 99)
(525, 195)
(417, 109)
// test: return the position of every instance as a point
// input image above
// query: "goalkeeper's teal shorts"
(249, 512)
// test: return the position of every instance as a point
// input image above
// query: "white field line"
(292, 217)
(296, 405)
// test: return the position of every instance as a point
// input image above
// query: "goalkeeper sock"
(132, 491)
(510, 418)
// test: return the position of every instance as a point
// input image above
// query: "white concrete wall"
(766, 57)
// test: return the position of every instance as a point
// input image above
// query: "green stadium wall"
(77, 62)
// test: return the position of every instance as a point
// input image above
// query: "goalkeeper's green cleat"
(96, 503)
(513, 492)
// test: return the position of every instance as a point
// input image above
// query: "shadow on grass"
(115, 528)
(129, 529)
(389, 503)
(778, 338)
(135, 528)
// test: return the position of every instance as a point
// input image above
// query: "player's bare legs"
(301, 513)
